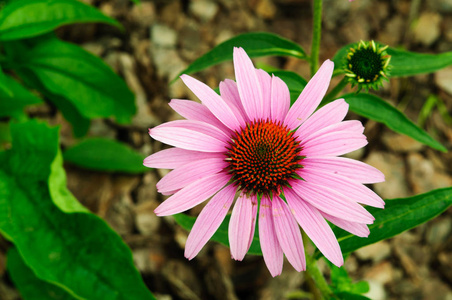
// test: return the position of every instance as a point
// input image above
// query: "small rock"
(148, 190)
(144, 118)
(8, 293)
(393, 168)
(423, 176)
(427, 29)
(443, 79)
(265, 9)
(141, 260)
(143, 14)
(182, 279)
(205, 10)
(445, 262)
(401, 143)
(95, 48)
(167, 62)
(146, 220)
(100, 128)
(120, 216)
(190, 41)
(439, 231)
(376, 252)
(163, 36)
(392, 31)
(376, 291)
(382, 273)
(356, 28)
(442, 6)
(435, 289)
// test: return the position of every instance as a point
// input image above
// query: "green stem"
(336, 90)
(313, 271)
(316, 33)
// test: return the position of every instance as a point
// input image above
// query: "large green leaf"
(76, 251)
(68, 71)
(403, 63)
(13, 104)
(105, 155)
(80, 124)
(4, 87)
(399, 215)
(373, 107)
(30, 286)
(256, 44)
(221, 235)
(26, 18)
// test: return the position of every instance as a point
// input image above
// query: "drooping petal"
(271, 250)
(241, 226)
(192, 110)
(192, 194)
(248, 84)
(315, 226)
(346, 167)
(288, 234)
(175, 157)
(280, 99)
(230, 93)
(183, 176)
(357, 229)
(328, 200)
(265, 81)
(190, 135)
(213, 101)
(334, 143)
(311, 96)
(353, 190)
(209, 220)
(331, 113)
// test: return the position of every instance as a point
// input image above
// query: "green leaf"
(13, 104)
(398, 216)
(373, 107)
(4, 87)
(105, 155)
(221, 235)
(68, 71)
(30, 286)
(80, 124)
(256, 44)
(76, 251)
(406, 63)
(26, 18)
(403, 63)
(341, 282)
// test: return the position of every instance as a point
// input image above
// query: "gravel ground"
(162, 37)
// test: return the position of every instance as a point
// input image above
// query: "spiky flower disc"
(367, 65)
(263, 156)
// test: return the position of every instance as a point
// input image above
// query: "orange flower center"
(263, 157)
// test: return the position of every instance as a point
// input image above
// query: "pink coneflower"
(249, 140)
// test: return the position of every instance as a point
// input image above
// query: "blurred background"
(162, 37)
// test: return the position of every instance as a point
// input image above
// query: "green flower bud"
(367, 65)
